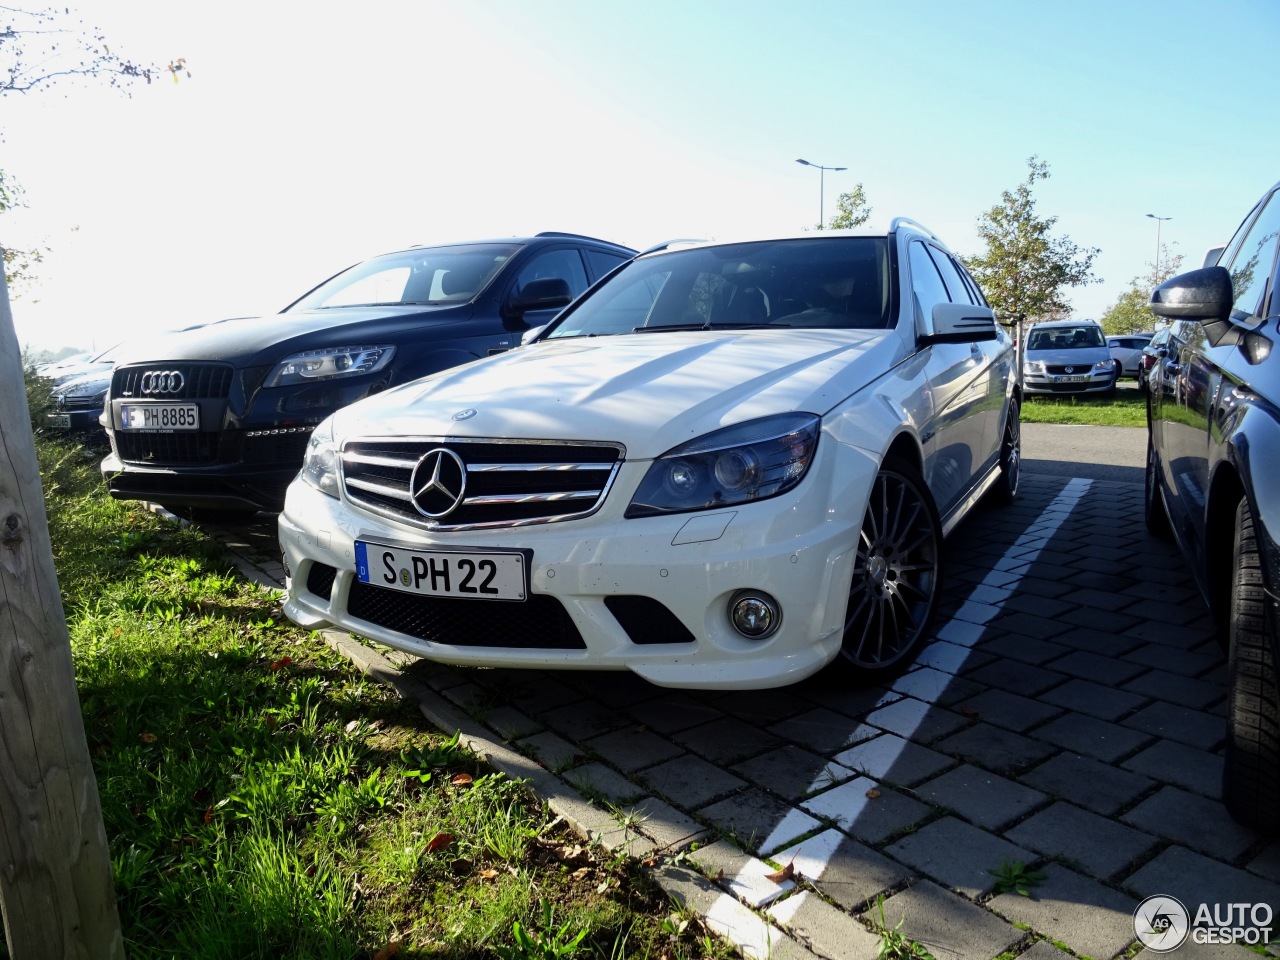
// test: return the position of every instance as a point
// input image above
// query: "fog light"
(754, 615)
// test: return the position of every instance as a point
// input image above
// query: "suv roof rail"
(670, 243)
(574, 236)
(908, 222)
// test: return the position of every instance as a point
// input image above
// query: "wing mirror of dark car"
(546, 293)
(1205, 295)
(961, 323)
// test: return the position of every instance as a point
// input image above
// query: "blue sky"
(313, 135)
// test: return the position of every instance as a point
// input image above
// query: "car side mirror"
(961, 323)
(546, 293)
(1205, 295)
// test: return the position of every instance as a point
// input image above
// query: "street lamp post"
(1158, 220)
(822, 172)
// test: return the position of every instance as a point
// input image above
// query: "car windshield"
(1066, 338)
(829, 282)
(423, 275)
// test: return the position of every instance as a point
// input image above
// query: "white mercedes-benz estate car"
(726, 465)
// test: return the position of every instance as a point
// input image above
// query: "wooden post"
(56, 893)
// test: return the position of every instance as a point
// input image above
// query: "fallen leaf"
(873, 794)
(352, 727)
(148, 737)
(461, 780)
(650, 861)
(581, 873)
(719, 874)
(208, 814)
(311, 870)
(390, 950)
(272, 721)
(281, 663)
(782, 876)
(440, 841)
(489, 873)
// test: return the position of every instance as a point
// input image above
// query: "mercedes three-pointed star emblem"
(438, 483)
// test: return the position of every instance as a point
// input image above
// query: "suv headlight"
(1033, 366)
(330, 362)
(320, 464)
(748, 461)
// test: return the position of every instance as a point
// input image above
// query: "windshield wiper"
(663, 328)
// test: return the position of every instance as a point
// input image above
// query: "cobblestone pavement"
(1069, 715)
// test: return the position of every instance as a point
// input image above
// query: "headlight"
(320, 465)
(1033, 366)
(748, 461)
(329, 362)
(1103, 365)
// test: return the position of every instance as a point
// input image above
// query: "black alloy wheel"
(1251, 773)
(895, 575)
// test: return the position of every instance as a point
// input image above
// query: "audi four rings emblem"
(162, 381)
(438, 483)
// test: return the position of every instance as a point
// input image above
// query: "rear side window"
(951, 277)
(563, 264)
(602, 262)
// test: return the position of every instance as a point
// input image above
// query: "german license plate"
(1070, 379)
(61, 420)
(159, 416)
(464, 574)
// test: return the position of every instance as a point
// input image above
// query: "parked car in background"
(727, 466)
(77, 403)
(1155, 350)
(1067, 357)
(1213, 455)
(1126, 351)
(217, 417)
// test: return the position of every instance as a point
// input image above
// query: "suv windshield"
(424, 275)
(824, 282)
(1066, 338)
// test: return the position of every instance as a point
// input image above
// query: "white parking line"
(937, 665)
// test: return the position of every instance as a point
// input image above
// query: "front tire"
(1005, 489)
(896, 573)
(1153, 508)
(1251, 774)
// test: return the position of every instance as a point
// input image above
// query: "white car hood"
(649, 392)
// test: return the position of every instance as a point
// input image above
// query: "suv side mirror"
(1205, 295)
(961, 323)
(546, 293)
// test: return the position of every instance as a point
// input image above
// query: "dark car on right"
(1213, 442)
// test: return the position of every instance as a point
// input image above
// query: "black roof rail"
(670, 243)
(575, 236)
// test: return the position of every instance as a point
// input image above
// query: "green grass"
(262, 798)
(1124, 408)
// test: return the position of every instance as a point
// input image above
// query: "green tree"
(852, 210)
(1025, 270)
(41, 47)
(18, 264)
(1131, 312)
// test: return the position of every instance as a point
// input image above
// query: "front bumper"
(1047, 383)
(798, 548)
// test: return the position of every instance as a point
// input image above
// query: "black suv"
(216, 419)
(1213, 456)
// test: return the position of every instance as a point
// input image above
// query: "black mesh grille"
(200, 381)
(275, 448)
(540, 622)
(162, 449)
(320, 579)
(581, 475)
(80, 403)
(647, 621)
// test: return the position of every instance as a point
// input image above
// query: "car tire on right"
(1251, 774)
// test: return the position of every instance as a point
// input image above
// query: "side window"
(602, 262)
(1251, 264)
(565, 264)
(926, 283)
(951, 277)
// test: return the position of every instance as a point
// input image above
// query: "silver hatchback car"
(1067, 356)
